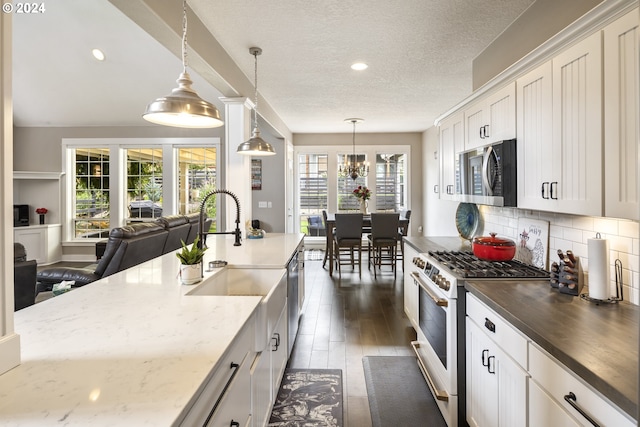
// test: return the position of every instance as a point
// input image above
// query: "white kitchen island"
(133, 348)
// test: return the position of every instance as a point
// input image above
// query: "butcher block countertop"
(599, 343)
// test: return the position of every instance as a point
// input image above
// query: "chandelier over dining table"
(351, 167)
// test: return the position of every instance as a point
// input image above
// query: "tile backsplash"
(571, 232)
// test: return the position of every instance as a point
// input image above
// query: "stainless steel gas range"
(440, 319)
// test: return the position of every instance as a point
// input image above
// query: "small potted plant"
(191, 262)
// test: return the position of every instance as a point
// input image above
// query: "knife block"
(570, 279)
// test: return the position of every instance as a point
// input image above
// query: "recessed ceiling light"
(98, 54)
(359, 66)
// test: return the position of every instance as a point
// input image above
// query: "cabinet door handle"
(276, 337)
(571, 399)
(485, 362)
(489, 365)
(481, 132)
(486, 131)
(489, 325)
(542, 190)
(234, 424)
(235, 367)
(435, 188)
(555, 183)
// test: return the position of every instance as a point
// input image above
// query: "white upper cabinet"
(451, 144)
(577, 128)
(492, 118)
(536, 164)
(621, 117)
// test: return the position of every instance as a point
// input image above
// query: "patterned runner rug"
(309, 398)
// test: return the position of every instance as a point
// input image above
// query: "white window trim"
(117, 178)
(332, 152)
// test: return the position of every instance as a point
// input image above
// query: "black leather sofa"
(24, 278)
(126, 247)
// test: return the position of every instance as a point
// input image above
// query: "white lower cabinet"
(267, 372)
(410, 286)
(511, 381)
(42, 242)
(557, 397)
(279, 346)
(226, 398)
(496, 383)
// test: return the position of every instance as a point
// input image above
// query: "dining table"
(403, 226)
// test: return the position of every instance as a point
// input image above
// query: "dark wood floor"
(344, 320)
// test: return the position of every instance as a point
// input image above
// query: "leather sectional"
(128, 246)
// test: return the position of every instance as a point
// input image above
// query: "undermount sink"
(271, 284)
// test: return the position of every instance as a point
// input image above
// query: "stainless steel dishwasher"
(294, 269)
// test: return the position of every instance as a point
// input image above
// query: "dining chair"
(315, 226)
(402, 231)
(347, 239)
(326, 246)
(383, 241)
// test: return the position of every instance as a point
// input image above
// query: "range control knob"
(418, 262)
(442, 282)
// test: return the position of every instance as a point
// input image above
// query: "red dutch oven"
(494, 248)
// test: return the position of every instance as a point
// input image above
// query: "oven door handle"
(439, 394)
(440, 302)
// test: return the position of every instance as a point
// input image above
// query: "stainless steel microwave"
(488, 175)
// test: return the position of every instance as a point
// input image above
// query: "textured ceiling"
(419, 54)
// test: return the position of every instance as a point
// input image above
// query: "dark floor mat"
(398, 393)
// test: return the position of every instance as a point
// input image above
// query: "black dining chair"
(402, 231)
(347, 239)
(383, 241)
(326, 248)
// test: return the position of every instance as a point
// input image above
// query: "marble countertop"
(132, 348)
(598, 343)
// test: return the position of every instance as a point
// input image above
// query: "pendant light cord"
(354, 142)
(255, 85)
(184, 35)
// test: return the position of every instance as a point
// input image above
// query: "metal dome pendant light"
(255, 146)
(352, 168)
(183, 107)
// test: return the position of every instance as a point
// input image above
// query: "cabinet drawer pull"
(489, 366)
(276, 337)
(489, 325)
(551, 192)
(234, 424)
(542, 190)
(235, 367)
(485, 362)
(571, 399)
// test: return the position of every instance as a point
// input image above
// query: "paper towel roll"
(598, 253)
